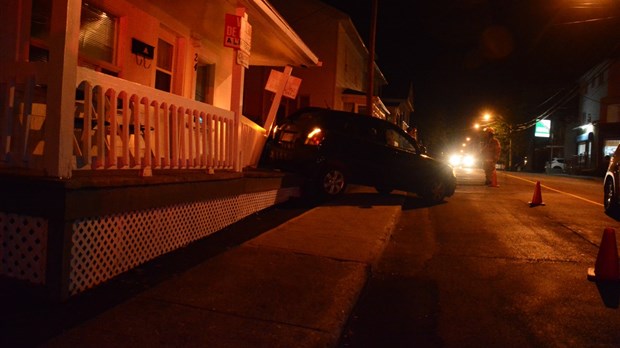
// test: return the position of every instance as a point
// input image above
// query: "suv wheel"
(611, 199)
(332, 182)
(435, 192)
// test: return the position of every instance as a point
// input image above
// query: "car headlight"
(455, 160)
(468, 161)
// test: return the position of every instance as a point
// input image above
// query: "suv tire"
(332, 182)
(611, 199)
(435, 192)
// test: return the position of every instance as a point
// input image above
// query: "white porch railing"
(120, 124)
(123, 125)
(251, 142)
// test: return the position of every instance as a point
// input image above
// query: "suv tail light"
(315, 137)
(274, 134)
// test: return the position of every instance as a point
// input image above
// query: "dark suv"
(336, 148)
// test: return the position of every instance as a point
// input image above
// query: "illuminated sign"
(543, 129)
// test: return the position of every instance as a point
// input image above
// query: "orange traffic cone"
(537, 197)
(606, 267)
(494, 180)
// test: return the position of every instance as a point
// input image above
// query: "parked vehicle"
(556, 164)
(610, 184)
(335, 148)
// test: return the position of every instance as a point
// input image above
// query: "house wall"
(147, 24)
(254, 99)
(352, 68)
(341, 51)
(343, 67)
(320, 83)
(10, 17)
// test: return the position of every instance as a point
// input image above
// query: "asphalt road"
(484, 269)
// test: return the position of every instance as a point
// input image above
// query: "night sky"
(462, 56)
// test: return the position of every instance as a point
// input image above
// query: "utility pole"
(371, 58)
(509, 147)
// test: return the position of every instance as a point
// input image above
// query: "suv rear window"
(364, 130)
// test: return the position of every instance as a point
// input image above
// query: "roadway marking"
(556, 190)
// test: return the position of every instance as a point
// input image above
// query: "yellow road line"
(556, 190)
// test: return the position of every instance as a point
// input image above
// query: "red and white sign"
(238, 33)
(232, 31)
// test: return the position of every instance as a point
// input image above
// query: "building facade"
(341, 83)
(598, 132)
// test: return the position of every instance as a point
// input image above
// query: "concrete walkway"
(292, 286)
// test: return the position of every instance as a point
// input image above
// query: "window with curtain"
(97, 34)
(97, 43)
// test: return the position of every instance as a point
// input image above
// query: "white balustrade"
(119, 124)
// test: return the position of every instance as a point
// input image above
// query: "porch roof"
(274, 42)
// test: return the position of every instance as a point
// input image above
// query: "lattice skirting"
(106, 246)
(23, 245)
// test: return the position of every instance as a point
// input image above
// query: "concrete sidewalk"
(292, 286)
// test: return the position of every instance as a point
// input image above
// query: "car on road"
(610, 184)
(556, 164)
(463, 160)
(333, 149)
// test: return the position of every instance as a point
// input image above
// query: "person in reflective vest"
(490, 154)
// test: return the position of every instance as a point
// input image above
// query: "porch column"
(236, 100)
(64, 36)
